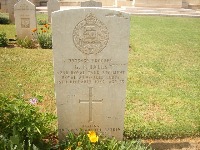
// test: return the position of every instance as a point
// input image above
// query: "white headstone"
(25, 19)
(90, 66)
(52, 5)
(91, 3)
(10, 8)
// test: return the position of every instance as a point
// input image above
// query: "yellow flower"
(69, 148)
(44, 31)
(35, 29)
(79, 143)
(93, 137)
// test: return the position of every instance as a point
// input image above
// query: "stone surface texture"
(52, 5)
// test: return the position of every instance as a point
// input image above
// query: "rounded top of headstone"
(24, 4)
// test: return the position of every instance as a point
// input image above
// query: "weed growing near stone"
(91, 141)
(3, 39)
(4, 19)
(43, 36)
(27, 43)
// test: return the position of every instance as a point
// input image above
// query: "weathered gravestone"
(10, 8)
(52, 5)
(25, 19)
(90, 67)
(91, 3)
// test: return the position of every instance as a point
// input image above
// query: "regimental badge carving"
(90, 36)
(25, 22)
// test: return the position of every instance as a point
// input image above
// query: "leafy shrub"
(22, 123)
(42, 22)
(27, 43)
(44, 37)
(3, 39)
(4, 19)
(91, 141)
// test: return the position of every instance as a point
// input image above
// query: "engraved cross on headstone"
(90, 101)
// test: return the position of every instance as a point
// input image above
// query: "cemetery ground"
(163, 99)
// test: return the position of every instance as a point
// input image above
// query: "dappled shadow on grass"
(11, 46)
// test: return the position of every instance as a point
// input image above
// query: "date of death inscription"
(92, 71)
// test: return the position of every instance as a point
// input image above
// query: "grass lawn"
(163, 91)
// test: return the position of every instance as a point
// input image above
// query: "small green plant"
(92, 141)
(22, 123)
(44, 37)
(3, 39)
(4, 19)
(42, 22)
(27, 43)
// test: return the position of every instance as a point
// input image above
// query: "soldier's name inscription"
(89, 71)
